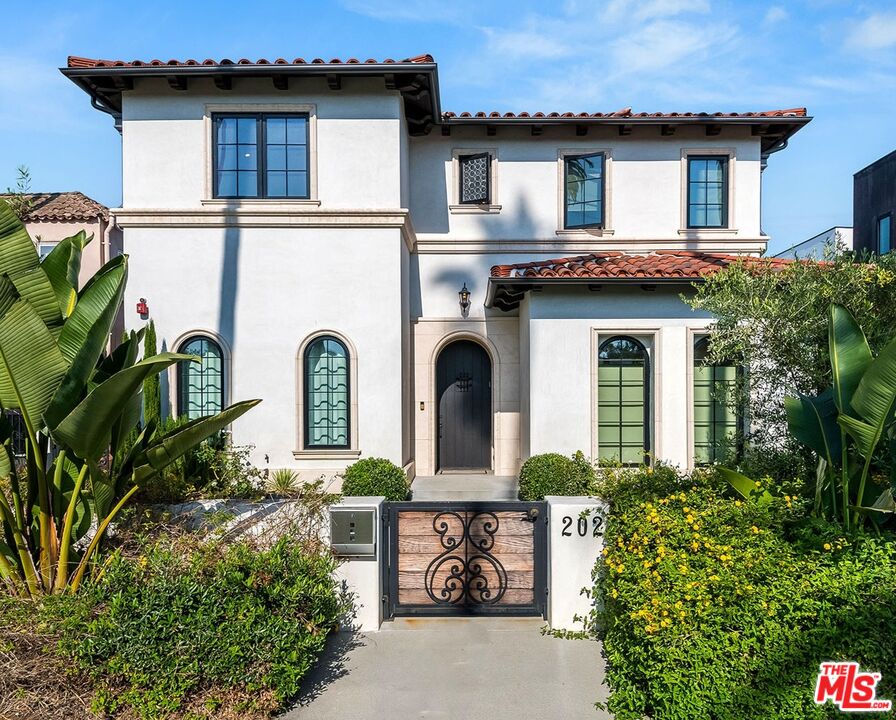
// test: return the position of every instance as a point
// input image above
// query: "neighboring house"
(52, 217)
(874, 205)
(386, 276)
(815, 247)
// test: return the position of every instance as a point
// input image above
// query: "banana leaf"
(745, 486)
(62, 266)
(873, 401)
(849, 353)
(813, 421)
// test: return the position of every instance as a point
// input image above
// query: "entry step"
(455, 486)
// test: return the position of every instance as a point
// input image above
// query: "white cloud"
(774, 15)
(876, 32)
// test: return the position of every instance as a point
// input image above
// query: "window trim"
(455, 206)
(601, 339)
(234, 108)
(730, 228)
(180, 368)
(695, 338)
(603, 190)
(889, 217)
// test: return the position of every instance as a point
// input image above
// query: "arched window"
(623, 401)
(327, 394)
(716, 418)
(200, 385)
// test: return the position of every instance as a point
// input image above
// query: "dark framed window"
(707, 191)
(260, 155)
(717, 421)
(327, 400)
(200, 385)
(584, 184)
(475, 179)
(623, 401)
(884, 228)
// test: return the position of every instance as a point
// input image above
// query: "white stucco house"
(832, 240)
(452, 291)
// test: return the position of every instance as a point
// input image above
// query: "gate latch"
(532, 514)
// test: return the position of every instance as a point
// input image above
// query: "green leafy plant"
(555, 474)
(152, 389)
(19, 199)
(284, 482)
(78, 403)
(376, 476)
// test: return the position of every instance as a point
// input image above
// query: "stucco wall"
(92, 258)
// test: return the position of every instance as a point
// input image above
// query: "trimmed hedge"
(376, 476)
(554, 474)
(716, 608)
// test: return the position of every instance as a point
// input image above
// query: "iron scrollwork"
(467, 559)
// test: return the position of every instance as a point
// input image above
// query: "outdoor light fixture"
(464, 296)
(142, 308)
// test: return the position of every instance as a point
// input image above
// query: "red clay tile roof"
(63, 206)
(81, 62)
(627, 113)
(662, 264)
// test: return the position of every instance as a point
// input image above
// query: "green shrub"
(717, 608)
(554, 474)
(376, 476)
(179, 632)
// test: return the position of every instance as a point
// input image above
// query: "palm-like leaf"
(850, 355)
(63, 266)
(744, 486)
(873, 402)
(813, 421)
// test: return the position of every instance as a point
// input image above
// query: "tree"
(152, 391)
(20, 200)
(78, 403)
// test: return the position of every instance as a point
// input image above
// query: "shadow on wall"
(229, 278)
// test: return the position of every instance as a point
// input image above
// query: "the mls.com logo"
(850, 689)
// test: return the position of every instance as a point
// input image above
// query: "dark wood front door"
(464, 392)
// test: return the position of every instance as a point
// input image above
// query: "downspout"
(102, 107)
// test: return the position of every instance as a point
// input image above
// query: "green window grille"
(584, 175)
(716, 419)
(623, 401)
(707, 192)
(201, 385)
(326, 394)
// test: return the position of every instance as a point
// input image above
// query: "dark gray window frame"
(740, 414)
(889, 218)
(184, 368)
(603, 190)
(648, 400)
(460, 178)
(261, 152)
(726, 210)
(306, 392)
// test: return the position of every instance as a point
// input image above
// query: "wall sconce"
(142, 308)
(464, 296)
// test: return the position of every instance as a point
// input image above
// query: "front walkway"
(452, 669)
(460, 486)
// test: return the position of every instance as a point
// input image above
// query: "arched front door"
(464, 395)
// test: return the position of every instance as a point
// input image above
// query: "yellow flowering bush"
(714, 608)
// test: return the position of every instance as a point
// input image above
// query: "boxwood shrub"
(716, 608)
(376, 476)
(555, 474)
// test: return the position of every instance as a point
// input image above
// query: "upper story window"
(707, 191)
(475, 174)
(261, 155)
(584, 183)
(883, 234)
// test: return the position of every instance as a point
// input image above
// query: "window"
(45, 249)
(883, 234)
(474, 179)
(326, 394)
(716, 421)
(201, 385)
(584, 183)
(262, 155)
(707, 191)
(623, 401)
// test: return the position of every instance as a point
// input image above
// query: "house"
(874, 205)
(51, 217)
(452, 291)
(831, 240)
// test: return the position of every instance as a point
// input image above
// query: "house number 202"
(581, 526)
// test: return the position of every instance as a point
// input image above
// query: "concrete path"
(455, 669)
(455, 486)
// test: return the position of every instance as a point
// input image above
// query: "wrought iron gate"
(464, 558)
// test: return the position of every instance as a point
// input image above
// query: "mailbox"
(353, 531)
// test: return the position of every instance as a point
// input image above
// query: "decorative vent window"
(261, 155)
(883, 234)
(716, 420)
(584, 181)
(623, 401)
(475, 172)
(707, 192)
(326, 394)
(201, 385)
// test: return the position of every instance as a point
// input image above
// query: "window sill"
(326, 454)
(483, 209)
(697, 232)
(259, 202)
(582, 232)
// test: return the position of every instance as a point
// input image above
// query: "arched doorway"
(464, 397)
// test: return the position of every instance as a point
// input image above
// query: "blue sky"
(837, 58)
